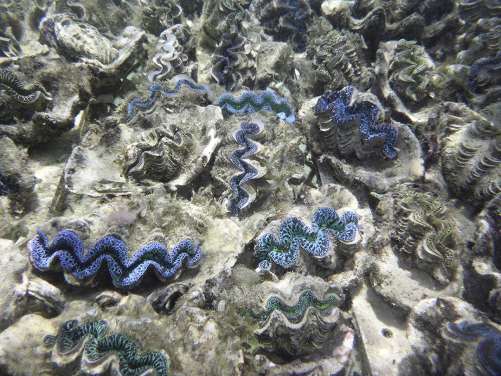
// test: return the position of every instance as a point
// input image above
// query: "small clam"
(108, 299)
(164, 301)
(39, 296)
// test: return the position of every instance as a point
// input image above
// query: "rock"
(14, 167)
(403, 288)
(24, 340)
(12, 266)
(381, 330)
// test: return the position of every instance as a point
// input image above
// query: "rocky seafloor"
(250, 187)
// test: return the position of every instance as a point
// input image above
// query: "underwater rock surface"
(250, 187)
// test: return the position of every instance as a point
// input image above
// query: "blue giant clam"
(125, 272)
(180, 80)
(249, 171)
(489, 342)
(338, 105)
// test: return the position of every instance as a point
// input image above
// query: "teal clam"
(299, 328)
(294, 233)
(98, 347)
(250, 102)
(295, 313)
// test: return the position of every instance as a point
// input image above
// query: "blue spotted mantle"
(294, 233)
(249, 171)
(125, 272)
(342, 112)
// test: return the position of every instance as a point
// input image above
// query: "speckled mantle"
(89, 146)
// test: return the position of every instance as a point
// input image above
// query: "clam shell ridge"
(295, 330)
(76, 39)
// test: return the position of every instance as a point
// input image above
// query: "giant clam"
(81, 42)
(471, 155)
(219, 17)
(425, 229)
(74, 38)
(410, 70)
(298, 316)
(176, 155)
(338, 59)
(286, 20)
(116, 351)
(353, 124)
(170, 56)
(158, 162)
